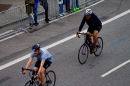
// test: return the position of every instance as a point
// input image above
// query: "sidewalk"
(14, 3)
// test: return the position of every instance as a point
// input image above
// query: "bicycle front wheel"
(30, 83)
(50, 78)
(83, 54)
(99, 46)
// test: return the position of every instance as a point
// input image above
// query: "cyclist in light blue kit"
(44, 60)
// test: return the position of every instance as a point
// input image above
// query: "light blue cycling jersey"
(44, 55)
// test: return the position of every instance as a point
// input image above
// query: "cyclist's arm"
(82, 24)
(27, 65)
(29, 62)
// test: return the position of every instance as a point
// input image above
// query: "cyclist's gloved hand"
(23, 71)
(37, 75)
(78, 32)
(89, 34)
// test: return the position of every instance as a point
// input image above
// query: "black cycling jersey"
(93, 23)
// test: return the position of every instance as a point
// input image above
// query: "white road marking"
(114, 69)
(59, 42)
(11, 36)
(6, 32)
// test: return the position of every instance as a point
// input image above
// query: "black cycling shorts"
(46, 64)
(98, 28)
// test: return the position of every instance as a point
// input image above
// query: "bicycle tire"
(50, 78)
(83, 54)
(99, 47)
(30, 83)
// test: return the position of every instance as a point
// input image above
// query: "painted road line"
(58, 42)
(114, 69)
(6, 32)
(118, 41)
(11, 36)
(116, 17)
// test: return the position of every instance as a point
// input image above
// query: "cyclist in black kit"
(94, 24)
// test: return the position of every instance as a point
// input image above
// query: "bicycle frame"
(33, 79)
(85, 40)
(98, 45)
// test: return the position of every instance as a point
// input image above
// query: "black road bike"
(50, 78)
(86, 48)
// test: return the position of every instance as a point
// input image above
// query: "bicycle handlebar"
(82, 34)
(31, 70)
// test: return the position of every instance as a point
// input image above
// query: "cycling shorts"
(98, 28)
(46, 64)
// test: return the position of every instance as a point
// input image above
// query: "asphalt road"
(69, 72)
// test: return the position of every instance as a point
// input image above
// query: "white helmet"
(87, 12)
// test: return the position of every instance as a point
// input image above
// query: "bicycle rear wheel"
(50, 78)
(99, 47)
(30, 83)
(83, 54)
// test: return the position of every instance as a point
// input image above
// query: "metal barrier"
(14, 20)
(9, 21)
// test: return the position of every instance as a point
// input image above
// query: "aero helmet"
(88, 12)
(35, 47)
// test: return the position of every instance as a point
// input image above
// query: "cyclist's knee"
(35, 69)
(95, 33)
(42, 70)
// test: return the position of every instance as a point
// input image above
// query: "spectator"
(44, 3)
(60, 2)
(75, 5)
(35, 6)
(67, 5)
(29, 6)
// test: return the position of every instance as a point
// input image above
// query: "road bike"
(50, 78)
(86, 48)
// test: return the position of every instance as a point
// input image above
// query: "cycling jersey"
(44, 55)
(93, 23)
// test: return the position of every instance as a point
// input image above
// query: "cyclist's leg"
(95, 33)
(89, 38)
(45, 66)
(37, 65)
(95, 39)
(42, 75)
(36, 68)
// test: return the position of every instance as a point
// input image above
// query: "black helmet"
(35, 47)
